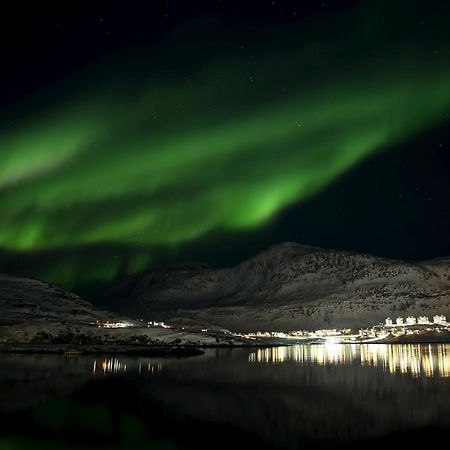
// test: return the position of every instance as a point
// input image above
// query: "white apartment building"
(440, 319)
(411, 320)
(423, 320)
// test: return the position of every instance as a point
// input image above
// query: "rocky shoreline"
(73, 350)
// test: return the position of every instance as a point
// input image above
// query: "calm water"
(284, 397)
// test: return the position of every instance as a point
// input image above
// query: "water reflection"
(324, 394)
(112, 365)
(416, 360)
(117, 366)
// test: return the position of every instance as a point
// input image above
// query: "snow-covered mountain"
(23, 300)
(33, 312)
(289, 286)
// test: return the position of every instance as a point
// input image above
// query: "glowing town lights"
(158, 324)
(409, 326)
(107, 324)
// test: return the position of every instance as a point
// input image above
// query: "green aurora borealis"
(145, 161)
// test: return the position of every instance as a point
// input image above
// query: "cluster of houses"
(157, 324)
(293, 334)
(107, 324)
(401, 326)
(421, 320)
(125, 324)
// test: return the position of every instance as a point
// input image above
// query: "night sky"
(140, 134)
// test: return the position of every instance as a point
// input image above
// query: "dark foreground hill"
(37, 313)
(289, 286)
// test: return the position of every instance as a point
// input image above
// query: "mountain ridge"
(289, 286)
(36, 313)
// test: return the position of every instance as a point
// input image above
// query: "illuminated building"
(440, 319)
(409, 326)
(108, 324)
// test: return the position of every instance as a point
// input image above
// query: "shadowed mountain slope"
(289, 286)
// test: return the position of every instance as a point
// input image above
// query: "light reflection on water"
(115, 366)
(288, 397)
(414, 359)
